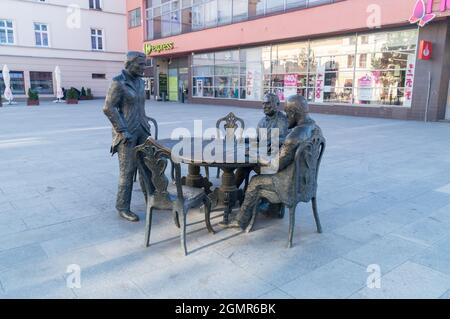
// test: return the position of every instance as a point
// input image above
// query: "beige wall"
(66, 40)
(69, 43)
(76, 73)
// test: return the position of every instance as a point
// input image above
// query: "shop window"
(363, 60)
(42, 82)
(17, 82)
(350, 61)
(324, 71)
(405, 40)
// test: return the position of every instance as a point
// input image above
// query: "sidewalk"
(384, 200)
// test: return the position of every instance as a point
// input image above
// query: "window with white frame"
(6, 32)
(41, 34)
(97, 39)
(95, 4)
(134, 18)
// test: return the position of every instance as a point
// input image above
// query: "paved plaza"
(384, 202)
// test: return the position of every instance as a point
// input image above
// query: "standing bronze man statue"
(125, 108)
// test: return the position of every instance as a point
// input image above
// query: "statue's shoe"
(130, 216)
(233, 224)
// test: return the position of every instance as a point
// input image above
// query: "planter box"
(71, 101)
(32, 102)
(83, 98)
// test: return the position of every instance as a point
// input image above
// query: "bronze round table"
(227, 194)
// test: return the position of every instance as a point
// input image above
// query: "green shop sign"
(150, 48)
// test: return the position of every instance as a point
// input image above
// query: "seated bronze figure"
(296, 177)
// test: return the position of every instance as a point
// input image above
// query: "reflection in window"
(42, 82)
(224, 11)
(274, 5)
(198, 17)
(17, 82)
(325, 71)
(200, 14)
(240, 10)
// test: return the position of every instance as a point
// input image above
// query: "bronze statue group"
(125, 108)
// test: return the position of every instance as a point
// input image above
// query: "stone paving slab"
(383, 200)
(409, 281)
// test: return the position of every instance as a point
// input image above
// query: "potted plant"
(83, 95)
(33, 98)
(89, 94)
(72, 96)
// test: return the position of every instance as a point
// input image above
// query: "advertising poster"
(290, 84)
(365, 88)
(320, 84)
(409, 80)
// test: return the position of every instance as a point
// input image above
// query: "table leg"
(195, 179)
(229, 191)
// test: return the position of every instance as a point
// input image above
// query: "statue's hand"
(126, 137)
(264, 161)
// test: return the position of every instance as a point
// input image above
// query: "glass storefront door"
(183, 83)
(173, 85)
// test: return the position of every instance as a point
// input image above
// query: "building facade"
(379, 58)
(86, 39)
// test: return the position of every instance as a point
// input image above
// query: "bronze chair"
(161, 194)
(155, 125)
(304, 182)
(230, 124)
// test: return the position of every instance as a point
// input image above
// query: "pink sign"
(290, 84)
(320, 81)
(249, 82)
(365, 81)
(423, 12)
(409, 82)
(365, 88)
(290, 80)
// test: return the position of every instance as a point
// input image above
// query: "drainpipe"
(428, 97)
